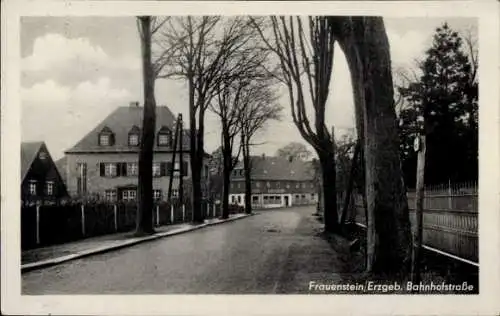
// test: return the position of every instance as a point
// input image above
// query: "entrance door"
(287, 204)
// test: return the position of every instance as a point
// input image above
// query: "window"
(297, 185)
(277, 185)
(175, 193)
(110, 195)
(255, 198)
(297, 196)
(303, 185)
(257, 184)
(268, 184)
(49, 188)
(106, 137)
(312, 195)
(164, 137)
(232, 185)
(288, 185)
(157, 194)
(129, 195)
(32, 187)
(156, 169)
(303, 196)
(239, 185)
(132, 169)
(104, 140)
(133, 139)
(232, 199)
(81, 179)
(110, 170)
(239, 198)
(312, 185)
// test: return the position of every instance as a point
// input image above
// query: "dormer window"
(164, 137)
(106, 137)
(133, 136)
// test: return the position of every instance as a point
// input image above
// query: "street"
(276, 251)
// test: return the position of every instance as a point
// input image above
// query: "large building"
(276, 182)
(40, 179)
(105, 161)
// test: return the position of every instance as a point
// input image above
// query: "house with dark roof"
(276, 182)
(40, 179)
(105, 161)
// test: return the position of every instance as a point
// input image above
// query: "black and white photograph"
(314, 155)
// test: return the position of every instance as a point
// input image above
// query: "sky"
(77, 70)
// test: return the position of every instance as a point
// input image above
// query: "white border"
(484, 303)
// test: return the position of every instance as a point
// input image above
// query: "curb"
(127, 243)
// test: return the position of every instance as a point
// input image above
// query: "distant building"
(276, 182)
(105, 161)
(40, 179)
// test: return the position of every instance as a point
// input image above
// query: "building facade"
(105, 161)
(40, 179)
(276, 182)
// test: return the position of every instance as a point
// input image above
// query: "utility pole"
(419, 146)
(181, 163)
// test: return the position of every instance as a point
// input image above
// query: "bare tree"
(199, 50)
(147, 26)
(305, 54)
(366, 47)
(261, 107)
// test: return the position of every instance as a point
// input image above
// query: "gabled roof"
(29, 151)
(120, 122)
(278, 168)
(61, 167)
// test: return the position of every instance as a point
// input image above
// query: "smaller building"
(40, 179)
(276, 182)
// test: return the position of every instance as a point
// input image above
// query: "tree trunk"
(388, 215)
(193, 153)
(330, 216)
(350, 183)
(226, 172)
(144, 220)
(248, 180)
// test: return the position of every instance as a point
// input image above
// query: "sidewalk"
(56, 254)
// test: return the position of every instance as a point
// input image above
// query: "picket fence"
(44, 225)
(450, 218)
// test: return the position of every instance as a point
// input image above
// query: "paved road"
(275, 251)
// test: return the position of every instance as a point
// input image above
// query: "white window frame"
(257, 184)
(268, 184)
(32, 187)
(156, 169)
(157, 194)
(110, 169)
(49, 189)
(103, 137)
(133, 136)
(175, 192)
(132, 169)
(129, 195)
(164, 139)
(110, 195)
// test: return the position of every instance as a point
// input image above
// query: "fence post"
(38, 224)
(157, 215)
(171, 213)
(183, 213)
(214, 210)
(82, 208)
(115, 213)
(450, 198)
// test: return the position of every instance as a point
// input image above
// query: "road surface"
(276, 251)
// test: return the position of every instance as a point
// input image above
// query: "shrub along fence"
(450, 218)
(43, 225)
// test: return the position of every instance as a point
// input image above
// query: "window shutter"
(102, 169)
(111, 139)
(118, 167)
(163, 169)
(169, 169)
(184, 168)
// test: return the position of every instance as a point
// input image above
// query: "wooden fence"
(43, 225)
(450, 218)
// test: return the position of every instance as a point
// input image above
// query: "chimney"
(134, 104)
